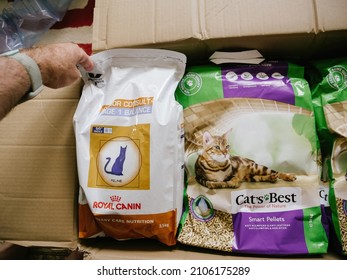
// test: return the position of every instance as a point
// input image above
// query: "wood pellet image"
(341, 211)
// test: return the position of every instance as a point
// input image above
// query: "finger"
(85, 61)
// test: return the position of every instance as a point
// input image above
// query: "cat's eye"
(227, 147)
(217, 147)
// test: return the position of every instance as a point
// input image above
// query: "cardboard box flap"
(160, 21)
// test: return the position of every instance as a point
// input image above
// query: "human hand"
(58, 63)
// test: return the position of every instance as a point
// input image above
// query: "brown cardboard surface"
(38, 182)
(331, 15)
(153, 22)
(282, 28)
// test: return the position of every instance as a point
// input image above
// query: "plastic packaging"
(129, 140)
(251, 159)
(25, 21)
(328, 80)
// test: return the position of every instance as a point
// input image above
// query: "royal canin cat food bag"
(130, 146)
(252, 160)
(328, 81)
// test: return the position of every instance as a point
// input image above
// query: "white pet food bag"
(130, 146)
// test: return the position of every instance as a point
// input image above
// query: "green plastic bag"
(328, 81)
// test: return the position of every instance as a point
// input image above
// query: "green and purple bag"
(252, 160)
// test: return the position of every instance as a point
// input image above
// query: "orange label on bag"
(119, 157)
(159, 226)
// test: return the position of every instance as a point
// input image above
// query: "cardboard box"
(278, 29)
(38, 178)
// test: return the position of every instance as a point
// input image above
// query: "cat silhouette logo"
(96, 79)
(119, 161)
(117, 167)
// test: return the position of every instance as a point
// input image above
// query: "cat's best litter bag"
(252, 160)
(130, 145)
(328, 80)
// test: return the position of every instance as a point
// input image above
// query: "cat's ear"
(227, 134)
(207, 138)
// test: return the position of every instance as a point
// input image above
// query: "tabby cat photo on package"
(216, 168)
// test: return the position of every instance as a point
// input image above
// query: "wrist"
(32, 70)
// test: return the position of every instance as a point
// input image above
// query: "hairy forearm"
(57, 64)
(14, 85)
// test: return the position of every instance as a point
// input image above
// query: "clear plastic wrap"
(25, 21)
